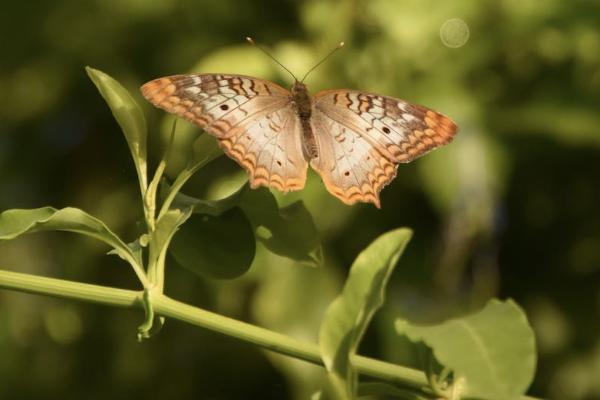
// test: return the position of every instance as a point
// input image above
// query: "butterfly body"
(354, 140)
(303, 106)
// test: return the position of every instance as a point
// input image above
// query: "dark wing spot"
(224, 107)
(385, 129)
(279, 163)
(347, 173)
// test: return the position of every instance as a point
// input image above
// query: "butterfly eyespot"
(224, 107)
(386, 129)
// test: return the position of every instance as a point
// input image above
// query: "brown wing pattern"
(399, 130)
(362, 137)
(216, 103)
(252, 119)
(270, 149)
(351, 168)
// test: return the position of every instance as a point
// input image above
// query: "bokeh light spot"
(454, 33)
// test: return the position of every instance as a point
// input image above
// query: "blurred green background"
(509, 209)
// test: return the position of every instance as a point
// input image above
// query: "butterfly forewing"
(252, 118)
(397, 129)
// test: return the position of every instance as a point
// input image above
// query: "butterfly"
(354, 140)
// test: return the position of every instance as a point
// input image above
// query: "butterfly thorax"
(303, 106)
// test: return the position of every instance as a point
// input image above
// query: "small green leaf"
(14, 223)
(492, 352)
(162, 235)
(129, 116)
(215, 246)
(348, 316)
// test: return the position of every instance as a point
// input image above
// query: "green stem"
(165, 306)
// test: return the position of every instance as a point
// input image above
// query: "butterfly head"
(299, 88)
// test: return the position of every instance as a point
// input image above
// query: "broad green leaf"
(129, 116)
(492, 351)
(220, 246)
(289, 231)
(14, 223)
(348, 316)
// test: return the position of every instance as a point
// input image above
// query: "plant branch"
(167, 307)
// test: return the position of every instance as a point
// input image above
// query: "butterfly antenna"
(253, 43)
(339, 46)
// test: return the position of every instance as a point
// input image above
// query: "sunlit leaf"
(348, 316)
(162, 235)
(14, 223)
(491, 351)
(220, 246)
(129, 116)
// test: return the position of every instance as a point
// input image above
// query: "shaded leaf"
(349, 314)
(14, 223)
(220, 246)
(492, 351)
(129, 116)
(289, 231)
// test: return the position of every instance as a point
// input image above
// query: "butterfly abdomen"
(303, 106)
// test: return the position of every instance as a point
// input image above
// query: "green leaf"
(14, 223)
(491, 352)
(129, 116)
(289, 231)
(220, 246)
(210, 207)
(166, 226)
(348, 316)
(206, 149)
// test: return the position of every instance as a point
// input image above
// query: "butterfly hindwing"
(351, 168)
(252, 118)
(269, 147)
